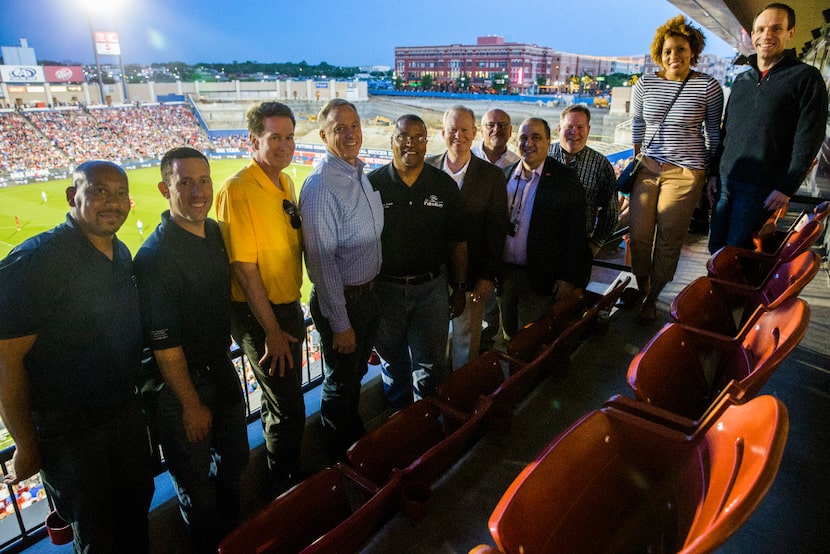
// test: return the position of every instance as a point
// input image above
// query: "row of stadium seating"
(683, 465)
(688, 425)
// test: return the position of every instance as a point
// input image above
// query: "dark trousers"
(207, 473)
(340, 397)
(738, 212)
(282, 404)
(98, 472)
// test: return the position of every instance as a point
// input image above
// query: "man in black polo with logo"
(184, 284)
(70, 350)
(423, 247)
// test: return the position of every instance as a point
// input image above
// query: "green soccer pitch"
(26, 203)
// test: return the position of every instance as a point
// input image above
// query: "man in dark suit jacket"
(484, 197)
(546, 251)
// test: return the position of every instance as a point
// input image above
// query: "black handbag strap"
(673, 100)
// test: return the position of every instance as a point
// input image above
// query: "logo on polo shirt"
(432, 201)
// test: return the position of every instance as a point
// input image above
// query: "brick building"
(525, 66)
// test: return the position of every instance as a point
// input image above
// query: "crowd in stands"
(23, 148)
(36, 140)
(231, 143)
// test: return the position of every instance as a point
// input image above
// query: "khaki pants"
(662, 201)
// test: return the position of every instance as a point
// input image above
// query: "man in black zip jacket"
(773, 126)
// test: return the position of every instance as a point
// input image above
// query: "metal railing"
(24, 507)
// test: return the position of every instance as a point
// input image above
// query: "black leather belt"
(412, 279)
(357, 289)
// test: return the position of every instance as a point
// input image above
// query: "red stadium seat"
(682, 369)
(617, 482)
(772, 241)
(420, 442)
(485, 376)
(753, 268)
(533, 338)
(317, 516)
(722, 307)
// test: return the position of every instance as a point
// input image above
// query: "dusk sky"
(362, 32)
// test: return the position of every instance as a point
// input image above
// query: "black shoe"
(699, 227)
(631, 297)
(646, 313)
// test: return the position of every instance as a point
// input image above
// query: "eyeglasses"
(405, 139)
(291, 210)
(492, 125)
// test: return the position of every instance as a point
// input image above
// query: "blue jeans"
(412, 339)
(97, 469)
(282, 407)
(737, 214)
(206, 474)
(342, 373)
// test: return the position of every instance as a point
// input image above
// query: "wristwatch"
(460, 285)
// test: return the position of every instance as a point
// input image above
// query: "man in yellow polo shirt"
(260, 223)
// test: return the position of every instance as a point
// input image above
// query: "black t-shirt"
(418, 221)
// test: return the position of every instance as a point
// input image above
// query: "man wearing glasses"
(484, 197)
(342, 221)
(256, 210)
(496, 130)
(423, 241)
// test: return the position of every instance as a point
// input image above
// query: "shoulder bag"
(625, 182)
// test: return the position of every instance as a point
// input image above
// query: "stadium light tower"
(95, 52)
(104, 6)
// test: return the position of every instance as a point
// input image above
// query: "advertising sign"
(63, 74)
(21, 74)
(106, 43)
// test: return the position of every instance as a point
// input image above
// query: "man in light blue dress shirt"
(342, 223)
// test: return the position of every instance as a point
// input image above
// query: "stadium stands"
(41, 140)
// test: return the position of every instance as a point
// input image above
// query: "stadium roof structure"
(731, 20)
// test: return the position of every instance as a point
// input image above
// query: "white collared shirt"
(521, 195)
(507, 159)
(457, 177)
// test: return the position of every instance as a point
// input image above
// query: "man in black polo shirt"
(422, 240)
(184, 284)
(70, 349)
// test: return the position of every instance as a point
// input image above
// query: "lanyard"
(520, 191)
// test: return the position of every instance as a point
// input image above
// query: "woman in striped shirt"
(677, 153)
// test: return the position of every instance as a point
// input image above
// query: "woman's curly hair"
(677, 26)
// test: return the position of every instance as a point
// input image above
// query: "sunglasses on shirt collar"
(291, 209)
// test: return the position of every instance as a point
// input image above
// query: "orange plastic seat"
(617, 482)
(533, 338)
(556, 356)
(420, 442)
(332, 511)
(723, 307)
(506, 380)
(753, 268)
(772, 242)
(683, 369)
(821, 211)
(479, 377)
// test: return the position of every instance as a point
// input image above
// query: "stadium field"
(26, 203)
